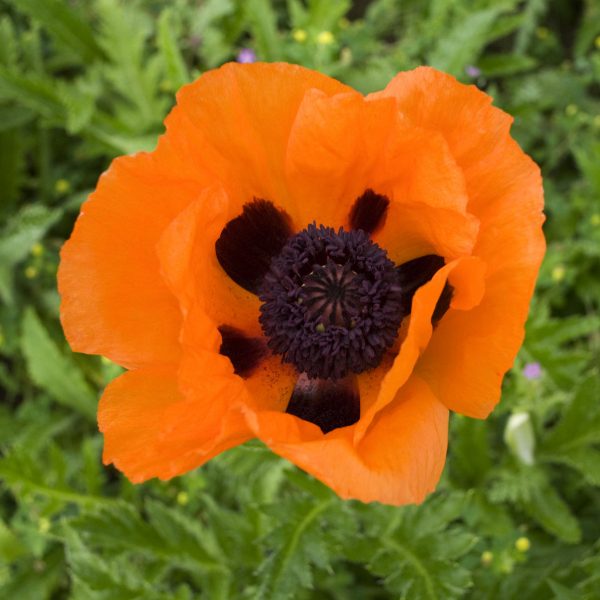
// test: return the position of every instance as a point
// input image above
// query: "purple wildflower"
(246, 55)
(532, 370)
(473, 71)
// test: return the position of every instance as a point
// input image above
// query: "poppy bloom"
(296, 262)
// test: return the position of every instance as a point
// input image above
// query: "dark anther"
(332, 303)
(249, 242)
(328, 404)
(443, 304)
(245, 353)
(368, 212)
(415, 273)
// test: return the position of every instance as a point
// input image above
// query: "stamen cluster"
(332, 302)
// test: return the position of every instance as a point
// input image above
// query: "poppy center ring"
(331, 302)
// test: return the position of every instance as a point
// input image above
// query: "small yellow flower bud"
(325, 38)
(523, 544)
(558, 273)
(62, 186)
(595, 219)
(31, 272)
(542, 33)
(571, 110)
(597, 42)
(43, 525)
(299, 35)
(183, 498)
(486, 558)
(37, 249)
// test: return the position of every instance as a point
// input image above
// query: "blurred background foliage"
(518, 511)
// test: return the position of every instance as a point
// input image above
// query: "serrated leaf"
(461, 46)
(299, 541)
(66, 26)
(53, 371)
(580, 422)
(552, 512)
(169, 537)
(176, 69)
(263, 25)
(497, 65)
(586, 460)
(20, 233)
(417, 556)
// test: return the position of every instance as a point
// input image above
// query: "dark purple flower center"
(332, 302)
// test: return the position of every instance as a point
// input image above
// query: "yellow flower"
(558, 273)
(62, 186)
(37, 249)
(43, 525)
(486, 558)
(299, 35)
(523, 544)
(571, 110)
(30, 272)
(325, 38)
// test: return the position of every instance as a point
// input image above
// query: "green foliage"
(85, 80)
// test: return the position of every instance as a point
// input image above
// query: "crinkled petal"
(466, 275)
(235, 122)
(470, 352)
(399, 461)
(113, 299)
(190, 267)
(152, 430)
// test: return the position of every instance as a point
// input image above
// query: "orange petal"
(333, 149)
(152, 430)
(235, 123)
(189, 264)
(462, 114)
(466, 274)
(399, 461)
(114, 301)
(417, 229)
(342, 145)
(470, 352)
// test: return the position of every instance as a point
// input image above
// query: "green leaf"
(53, 371)
(305, 536)
(20, 233)
(552, 512)
(263, 26)
(580, 422)
(500, 65)
(461, 46)
(168, 536)
(177, 72)
(10, 546)
(66, 26)
(585, 460)
(417, 552)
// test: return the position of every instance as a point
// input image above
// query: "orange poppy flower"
(296, 262)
